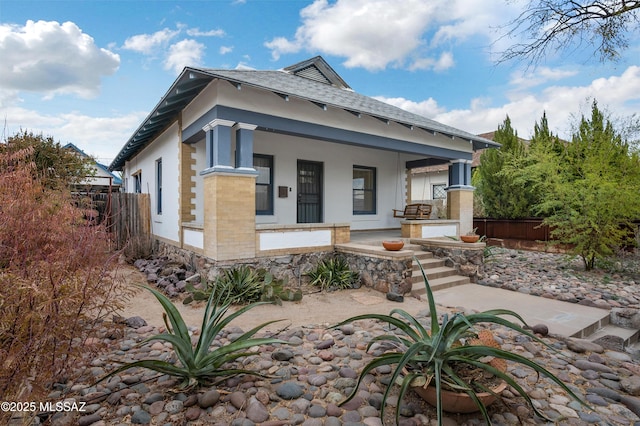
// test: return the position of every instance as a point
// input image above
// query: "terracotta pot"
(458, 402)
(393, 245)
(470, 238)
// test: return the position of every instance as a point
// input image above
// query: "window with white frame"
(264, 183)
(364, 190)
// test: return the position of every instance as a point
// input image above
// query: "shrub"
(332, 274)
(244, 285)
(200, 365)
(442, 354)
(241, 284)
(55, 283)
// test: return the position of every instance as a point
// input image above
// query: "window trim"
(159, 186)
(270, 185)
(137, 182)
(373, 191)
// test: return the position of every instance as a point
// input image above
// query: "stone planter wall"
(290, 267)
(379, 273)
(382, 274)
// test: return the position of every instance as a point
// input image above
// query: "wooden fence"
(130, 221)
(512, 229)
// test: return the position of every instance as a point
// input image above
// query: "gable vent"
(313, 73)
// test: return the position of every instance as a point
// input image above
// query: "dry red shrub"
(56, 281)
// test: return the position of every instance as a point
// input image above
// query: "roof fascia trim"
(275, 124)
(187, 74)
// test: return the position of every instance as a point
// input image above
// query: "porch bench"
(414, 211)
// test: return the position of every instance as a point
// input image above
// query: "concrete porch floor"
(371, 236)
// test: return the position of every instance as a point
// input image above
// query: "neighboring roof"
(475, 162)
(313, 80)
(116, 180)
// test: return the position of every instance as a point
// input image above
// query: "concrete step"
(436, 284)
(417, 249)
(439, 275)
(423, 256)
(433, 273)
(628, 336)
(427, 264)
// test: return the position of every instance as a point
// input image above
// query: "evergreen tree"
(501, 197)
(592, 188)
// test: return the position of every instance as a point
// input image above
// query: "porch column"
(229, 193)
(460, 195)
(218, 144)
(244, 146)
(229, 215)
(459, 173)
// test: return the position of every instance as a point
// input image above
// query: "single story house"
(102, 181)
(242, 164)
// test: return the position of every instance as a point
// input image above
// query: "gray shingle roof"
(287, 84)
(293, 81)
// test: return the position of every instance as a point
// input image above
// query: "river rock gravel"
(310, 377)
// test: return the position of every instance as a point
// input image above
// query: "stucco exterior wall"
(422, 184)
(338, 161)
(165, 147)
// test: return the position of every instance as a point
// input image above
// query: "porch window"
(264, 183)
(438, 191)
(364, 190)
(159, 186)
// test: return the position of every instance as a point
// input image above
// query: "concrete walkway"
(562, 318)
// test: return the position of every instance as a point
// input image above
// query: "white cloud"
(147, 43)
(100, 137)
(195, 32)
(443, 63)
(427, 108)
(225, 49)
(375, 34)
(281, 45)
(52, 58)
(618, 94)
(184, 53)
(524, 79)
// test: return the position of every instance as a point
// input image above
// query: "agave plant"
(199, 364)
(333, 273)
(432, 356)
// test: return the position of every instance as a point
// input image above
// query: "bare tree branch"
(557, 25)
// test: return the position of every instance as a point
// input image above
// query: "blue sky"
(88, 72)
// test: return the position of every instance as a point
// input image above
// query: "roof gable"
(317, 69)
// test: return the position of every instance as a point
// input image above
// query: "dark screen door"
(309, 192)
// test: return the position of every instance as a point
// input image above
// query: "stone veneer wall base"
(381, 274)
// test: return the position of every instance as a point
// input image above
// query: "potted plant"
(471, 236)
(442, 356)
